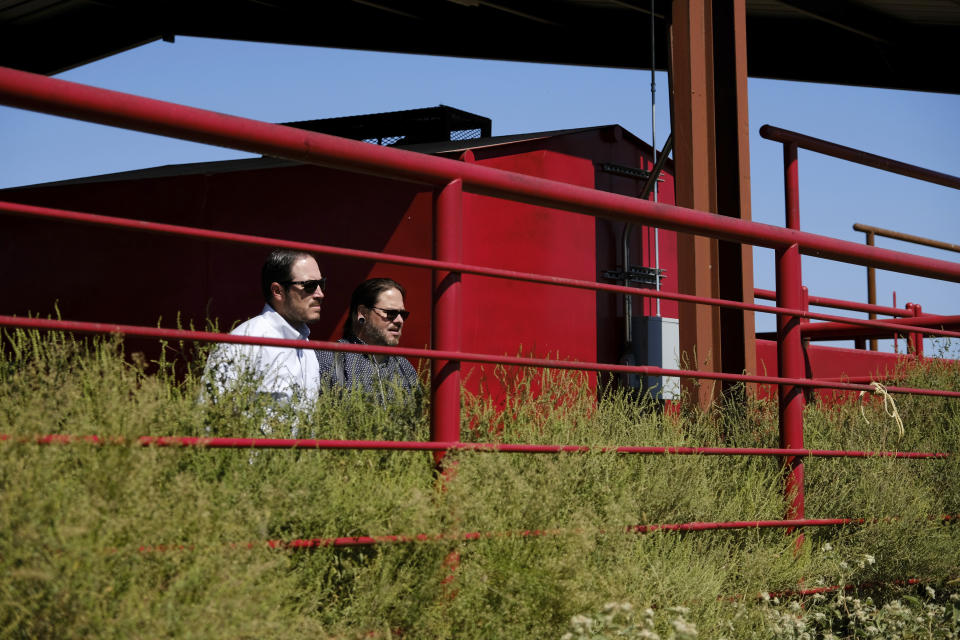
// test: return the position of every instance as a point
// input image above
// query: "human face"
(375, 328)
(291, 301)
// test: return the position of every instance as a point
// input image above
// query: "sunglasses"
(391, 314)
(309, 286)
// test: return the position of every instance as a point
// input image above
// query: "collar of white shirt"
(282, 327)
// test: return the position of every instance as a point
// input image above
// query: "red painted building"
(128, 277)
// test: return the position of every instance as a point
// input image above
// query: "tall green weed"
(129, 541)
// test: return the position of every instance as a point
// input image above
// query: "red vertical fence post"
(446, 332)
(446, 326)
(896, 346)
(871, 289)
(790, 361)
(916, 339)
(808, 392)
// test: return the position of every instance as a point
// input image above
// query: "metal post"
(695, 186)
(914, 339)
(446, 330)
(808, 392)
(911, 337)
(896, 346)
(871, 289)
(789, 346)
(446, 325)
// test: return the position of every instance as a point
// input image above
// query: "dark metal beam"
(866, 47)
(852, 17)
(692, 104)
(793, 50)
(388, 9)
(734, 260)
(637, 6)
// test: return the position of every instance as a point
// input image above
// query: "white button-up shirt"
(282, 372)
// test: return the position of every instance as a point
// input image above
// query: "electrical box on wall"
(656, 343)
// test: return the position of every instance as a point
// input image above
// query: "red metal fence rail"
(871, 232)
(858, 157)
(790, 284)
(59, 97)
(820, 301)
(75, 326)
(792, 141)
(450, 179)
(239, 238)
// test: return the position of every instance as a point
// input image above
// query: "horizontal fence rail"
(682, 527)
(48, 213)
(906, 237)
(492, 447)
(858, 157)
(367, 541)
(434, 354)
(849, 305)
(843, 330)
(812, 591)
(60, 97)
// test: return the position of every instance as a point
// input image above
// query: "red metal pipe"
(59, 97)
(357, 541)
(75, 326)
(843, 331)
(871, 290)
(857, 156)
(239, 238)
(905, 237)
(492, 447)
(804, 304)
(790, 355)
(819, 301)
(846, 587)
(861, 379)
(447, 322)
(789, 523)
(916, 338)
(536, 533)
(896, 346)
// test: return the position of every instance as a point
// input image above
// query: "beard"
(379, 336)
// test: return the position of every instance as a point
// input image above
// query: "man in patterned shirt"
(377, 315)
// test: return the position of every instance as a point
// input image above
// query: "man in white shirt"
(292, 288)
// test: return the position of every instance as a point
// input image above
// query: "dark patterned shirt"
(381, 380)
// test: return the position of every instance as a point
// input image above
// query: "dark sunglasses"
(309, 286)
(391, 314)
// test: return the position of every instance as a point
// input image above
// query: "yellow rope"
(880, 390)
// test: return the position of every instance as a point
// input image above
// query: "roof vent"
(414, 126)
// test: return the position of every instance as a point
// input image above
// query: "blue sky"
(280, 83)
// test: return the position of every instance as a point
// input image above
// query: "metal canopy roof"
(904, 44)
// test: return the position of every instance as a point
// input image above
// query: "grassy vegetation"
(74, 517)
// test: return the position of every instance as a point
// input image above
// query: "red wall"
(521, 318)
(107, 275)
(137, 278)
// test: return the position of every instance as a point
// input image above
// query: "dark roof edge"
(263, 162)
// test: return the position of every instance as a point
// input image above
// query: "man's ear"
(276, 290)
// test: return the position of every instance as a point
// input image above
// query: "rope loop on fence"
(889, 406)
